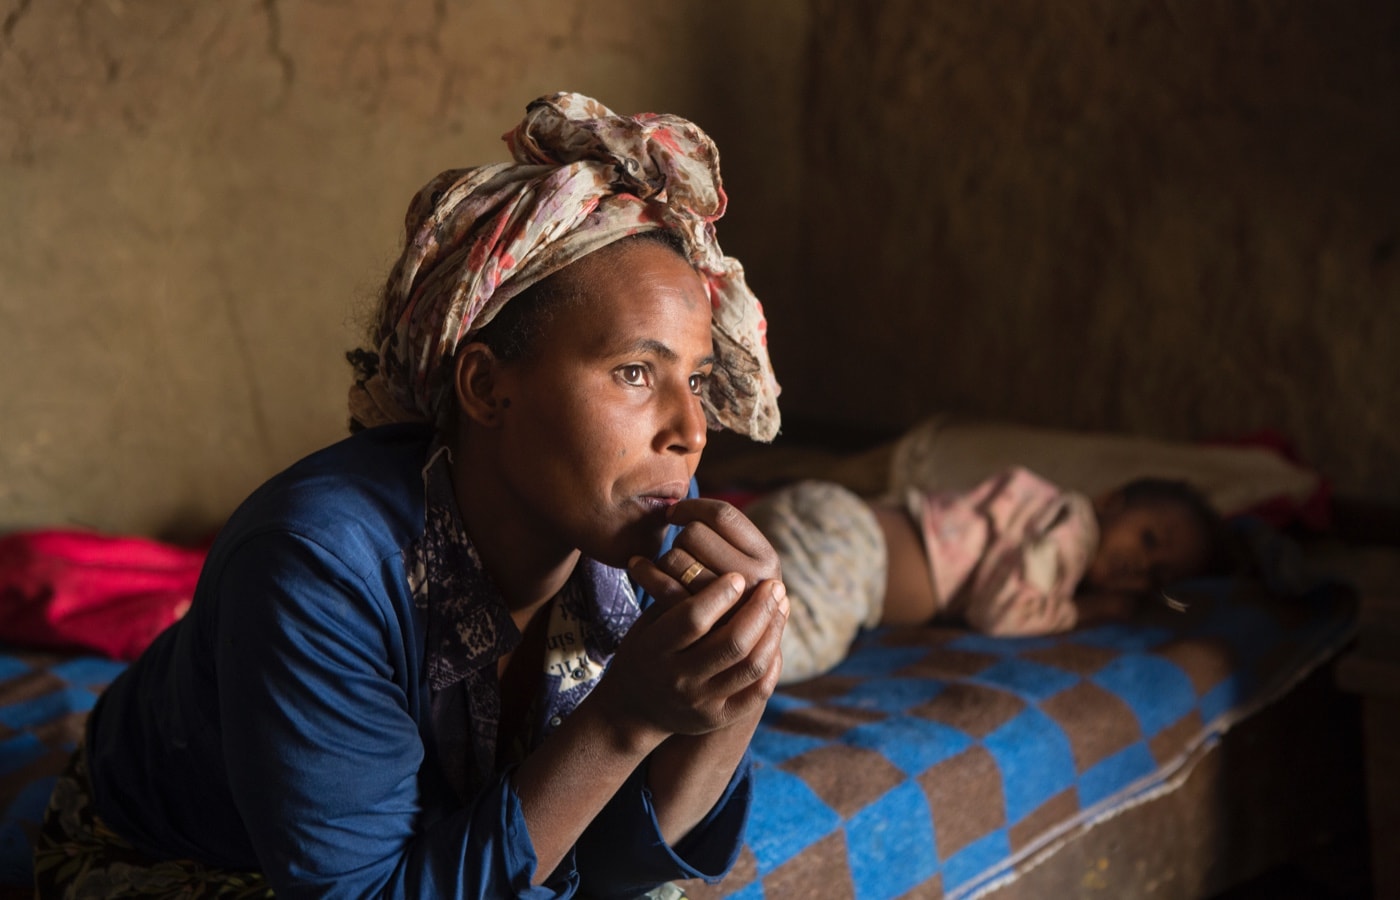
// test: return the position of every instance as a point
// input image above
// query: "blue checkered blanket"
(44, 700)
(933, 759)
(943, 763)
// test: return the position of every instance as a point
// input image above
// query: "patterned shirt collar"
(469, 629)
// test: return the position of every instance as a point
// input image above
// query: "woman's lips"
(657, 503)
(663, 497)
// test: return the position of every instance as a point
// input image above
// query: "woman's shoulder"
(360, 499)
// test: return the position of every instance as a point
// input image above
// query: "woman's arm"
(700, 666)
(322, 743)
(689, 773)
(324, 753)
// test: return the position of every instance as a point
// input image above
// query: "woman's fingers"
(713, 630)
(685, 618)
(722, 539)
(698, 662)
(700, 542)
(725, 521)
(758, 663)
(687, 570)
(751, 696)
(656, 581)
(740, 643)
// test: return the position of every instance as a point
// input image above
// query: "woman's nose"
(686, 429)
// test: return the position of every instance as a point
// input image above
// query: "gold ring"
(689, 574)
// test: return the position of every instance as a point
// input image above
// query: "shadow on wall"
(204, 201)
(1174, 219)
(1166, 218)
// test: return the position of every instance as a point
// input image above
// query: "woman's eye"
(697, 382)
(633, 375)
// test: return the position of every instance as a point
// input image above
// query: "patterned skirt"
(77, 857)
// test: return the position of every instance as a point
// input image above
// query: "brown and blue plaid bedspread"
(932, 763)
(941, 763)
(44, 701)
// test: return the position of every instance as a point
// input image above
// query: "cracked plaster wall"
(202, 200)
(1178, 218)
(1175, 218)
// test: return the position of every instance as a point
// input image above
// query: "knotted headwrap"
(583, 177)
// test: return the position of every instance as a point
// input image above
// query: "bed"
(1158, 757)
(942, 763)
(935, 762)
(44, 699)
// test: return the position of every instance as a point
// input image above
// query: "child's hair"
(1221, 558)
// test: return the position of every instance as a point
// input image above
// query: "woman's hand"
(720, 539)
(695, 663)
(713, 686)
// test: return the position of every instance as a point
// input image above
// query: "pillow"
(940, 453)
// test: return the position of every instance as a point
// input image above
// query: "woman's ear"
(477, 384)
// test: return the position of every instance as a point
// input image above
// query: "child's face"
(605, 427)
(1146, 547)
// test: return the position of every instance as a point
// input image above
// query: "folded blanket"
(69, 589)
(944, 453)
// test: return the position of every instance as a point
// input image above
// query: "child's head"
(1152, 532)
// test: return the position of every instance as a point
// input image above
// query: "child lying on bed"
(1013, 556)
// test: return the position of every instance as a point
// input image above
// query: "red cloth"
(68, 589)
(1313, 513)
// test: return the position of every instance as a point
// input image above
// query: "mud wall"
(202, 201)
(1172, 218)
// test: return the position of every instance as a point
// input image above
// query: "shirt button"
(579, 674)
(555, 721)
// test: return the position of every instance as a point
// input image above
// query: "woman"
(415, 665)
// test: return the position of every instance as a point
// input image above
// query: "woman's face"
(604, 427)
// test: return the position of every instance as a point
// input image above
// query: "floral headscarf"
(583, 177)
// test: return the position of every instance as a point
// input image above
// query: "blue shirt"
(286, 724)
